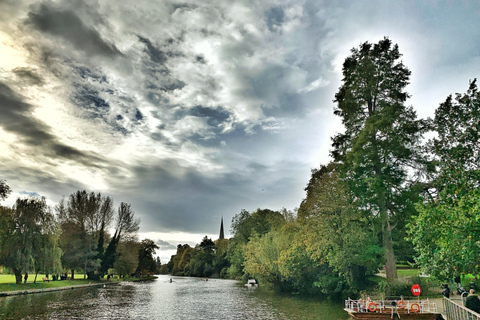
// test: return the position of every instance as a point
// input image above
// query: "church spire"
(222, 236)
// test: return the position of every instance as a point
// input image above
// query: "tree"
(146, 262)
(126, 227)
(245, 225)
(127, 261)
(382, 137)
(446, 231)
(24, 229)
(220, 261)
(4, 190)
(85, 217)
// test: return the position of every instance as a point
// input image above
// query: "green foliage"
(146, 262)
(127, 260)
(446, 231)
(28, 239)
(382, 137)
(328, 251)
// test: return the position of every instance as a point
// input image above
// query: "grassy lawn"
(7, 282)
(10, 278)
(407, 272)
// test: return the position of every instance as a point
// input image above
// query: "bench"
(46, 279)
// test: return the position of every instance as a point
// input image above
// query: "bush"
(402, 288)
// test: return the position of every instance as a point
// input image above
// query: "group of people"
(472, 301)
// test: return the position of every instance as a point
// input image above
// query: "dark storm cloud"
(28, 76)
(17, 118)
(68, 26)
(185, 199)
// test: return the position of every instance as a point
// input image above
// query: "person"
(26, 277)
(446, 291)
(472, 302)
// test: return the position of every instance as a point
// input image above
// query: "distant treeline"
(389, 195)
(72, 236)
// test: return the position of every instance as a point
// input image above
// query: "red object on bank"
(416, 290)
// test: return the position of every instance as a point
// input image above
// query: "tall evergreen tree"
(382, 136)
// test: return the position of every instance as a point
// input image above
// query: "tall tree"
(146, 262)
(447, 228)
(381, 142)
(25, 227)
(4, 190)
(126, 227)
(86, 216)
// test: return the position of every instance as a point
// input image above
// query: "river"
(182, 299)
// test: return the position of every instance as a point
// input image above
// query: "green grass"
(407, 272)
(10, 278)
(7, 282)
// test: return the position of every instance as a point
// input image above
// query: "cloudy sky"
(194, 110)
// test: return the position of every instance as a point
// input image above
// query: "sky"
(194, 110)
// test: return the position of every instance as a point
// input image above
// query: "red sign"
(416, 290)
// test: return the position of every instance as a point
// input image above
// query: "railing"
(454, 311)
(390, 306)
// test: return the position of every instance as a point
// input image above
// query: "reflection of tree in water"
(89, 303)
(30, 305)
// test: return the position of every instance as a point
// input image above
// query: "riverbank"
(13, 289)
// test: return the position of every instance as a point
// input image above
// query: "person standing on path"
(26, 277)
(446, 291)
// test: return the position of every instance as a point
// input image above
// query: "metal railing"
(454, 311)
(390, 306)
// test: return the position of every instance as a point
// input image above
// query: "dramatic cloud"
(190, 110)
(66, 25)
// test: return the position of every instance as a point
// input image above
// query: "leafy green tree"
(8, 239)
(78, 220)
(127, 260)
(25, 227)
(146, 262)
(181, 260)
(220, 261)
(262, 255)
(46, 251)
(126, 226)
(382, 137)
(447, 228)
(245, 225)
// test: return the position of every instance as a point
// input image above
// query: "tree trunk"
(73, 274)
(18, 275)
(35, 279)
(390, 267)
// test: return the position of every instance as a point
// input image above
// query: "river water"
(182, 299)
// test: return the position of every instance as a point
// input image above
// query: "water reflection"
(185, 298)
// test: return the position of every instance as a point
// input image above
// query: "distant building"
(222, 236)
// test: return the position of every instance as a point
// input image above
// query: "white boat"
(251, 283)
